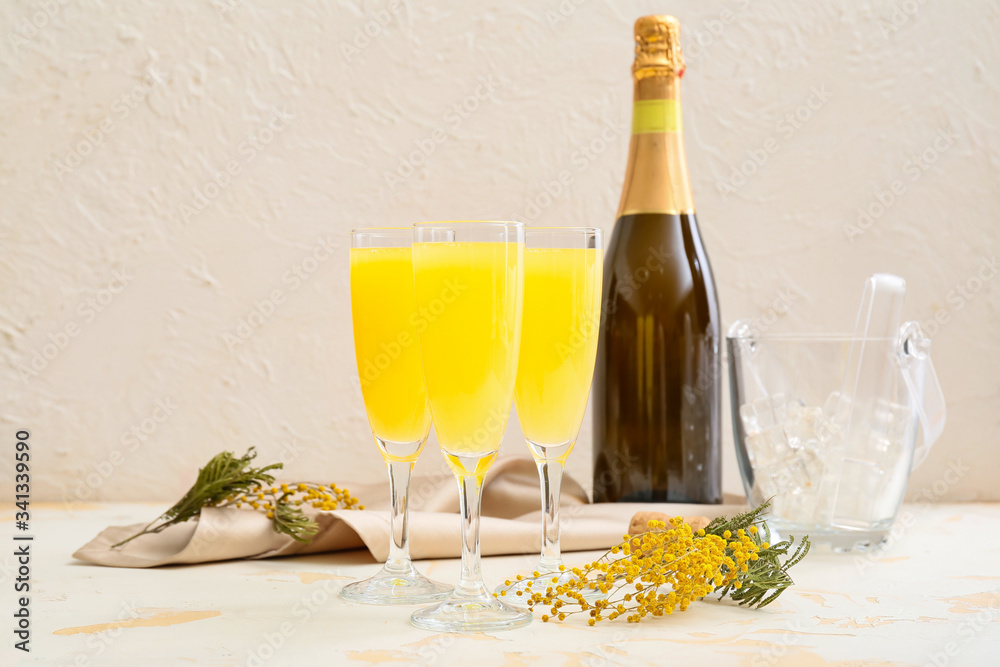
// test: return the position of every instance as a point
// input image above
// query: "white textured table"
(931, 598)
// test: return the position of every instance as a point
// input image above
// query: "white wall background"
(116, 115)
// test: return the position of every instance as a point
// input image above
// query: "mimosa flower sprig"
(231, 481)
(670, 566)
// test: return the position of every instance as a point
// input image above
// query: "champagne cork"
(640, 522)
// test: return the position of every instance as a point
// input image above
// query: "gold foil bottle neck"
(658, 47)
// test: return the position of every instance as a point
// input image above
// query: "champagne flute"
(469, 281)
(392, 383)
(559, 331)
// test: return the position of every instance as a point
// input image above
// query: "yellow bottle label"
(653, 116)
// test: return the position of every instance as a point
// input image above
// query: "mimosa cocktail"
(383, 311)
(559, 330)
(562, 309)
(468, 319)
(385, 345)
(469, 282)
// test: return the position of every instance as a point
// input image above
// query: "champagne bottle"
(657, 402)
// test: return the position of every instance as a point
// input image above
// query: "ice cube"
(764, 413)
(748, 417)
(763, 486)
(794, 479)
(767, 448)
(837, 408)
(799, 483)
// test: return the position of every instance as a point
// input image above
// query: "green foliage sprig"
(665, 569)
(228, 480)
(767, 577)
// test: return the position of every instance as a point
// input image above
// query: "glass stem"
(470, 496)
(550, 472)
(399, 488)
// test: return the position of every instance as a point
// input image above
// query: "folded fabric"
(510, 524)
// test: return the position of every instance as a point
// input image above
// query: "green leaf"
(222, 477)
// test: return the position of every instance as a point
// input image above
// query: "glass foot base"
(840, 540)
(471, 614)
(388, 587)
(518, 592)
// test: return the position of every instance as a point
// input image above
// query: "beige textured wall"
(177, 182)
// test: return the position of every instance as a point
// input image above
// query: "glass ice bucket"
(829, 440)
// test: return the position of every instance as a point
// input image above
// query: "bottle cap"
(658, 47)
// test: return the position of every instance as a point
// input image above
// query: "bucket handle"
(926, 397)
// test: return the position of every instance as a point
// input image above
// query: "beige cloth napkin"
(510, 524)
